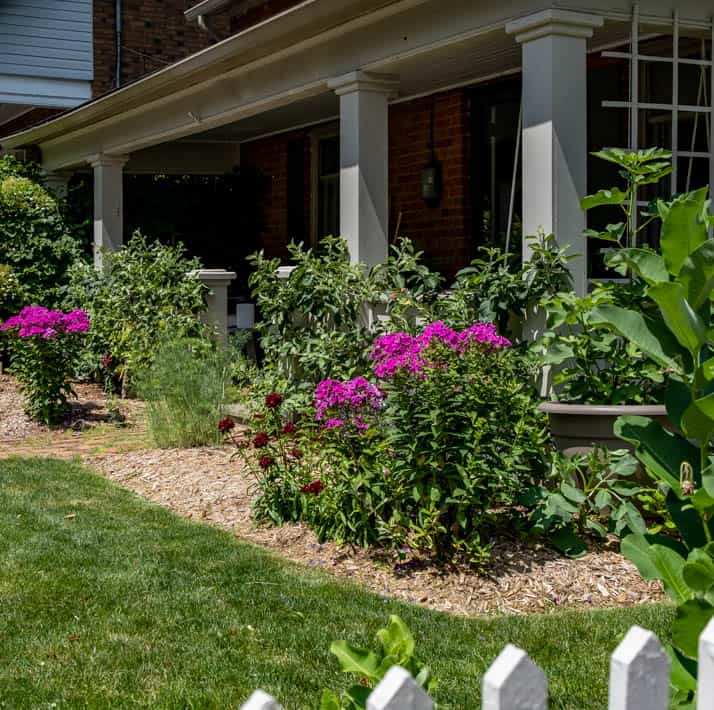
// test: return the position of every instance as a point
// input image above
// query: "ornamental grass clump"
(419, 459)
(44, 350)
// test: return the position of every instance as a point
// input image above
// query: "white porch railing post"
(399, 691)
(514, 682)
(639, 673)
(705, 690)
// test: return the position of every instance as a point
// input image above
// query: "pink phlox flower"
(334, 423)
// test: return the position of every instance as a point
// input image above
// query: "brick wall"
(154, 34)
(443, 231)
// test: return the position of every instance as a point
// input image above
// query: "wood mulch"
(210, 486)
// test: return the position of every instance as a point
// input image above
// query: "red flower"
(259, 417)
(296, 453)
(314, 488)
(225, 425)
(289, 428)
(273, 400)
(107, 360)
(260, 440)
(266, 461)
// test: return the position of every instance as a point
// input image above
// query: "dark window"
(328, 187)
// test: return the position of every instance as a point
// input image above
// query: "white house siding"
(46, 54)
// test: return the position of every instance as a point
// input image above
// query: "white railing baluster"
(399, 691)
(261, 701)
(705, 690)
(639, 673)
(514, 682)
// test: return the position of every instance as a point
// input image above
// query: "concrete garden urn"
(577, 428)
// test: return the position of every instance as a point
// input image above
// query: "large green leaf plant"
(672, 326)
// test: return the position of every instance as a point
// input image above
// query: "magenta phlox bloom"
(352, 404)
(401, 352)
(38, 321)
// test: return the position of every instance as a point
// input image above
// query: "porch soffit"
(290, 59)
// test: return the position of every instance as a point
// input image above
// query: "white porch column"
(555, 128)
(108, 203)
(216, 315)
(364, 162)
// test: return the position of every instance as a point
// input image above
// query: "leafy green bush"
(44, 345)
(10, 290)
(586, 495)
(34, 238)
(144, 297)
(184, 389)
(396, 648)
(314, 326)
(498, 288)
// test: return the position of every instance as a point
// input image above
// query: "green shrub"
(418, 461)
(44, 345)
(144, 297)
(314, 325)
(185, 389)
(10, 290)
(498, 288)
(34, 239)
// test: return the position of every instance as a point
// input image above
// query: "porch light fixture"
(431, 178)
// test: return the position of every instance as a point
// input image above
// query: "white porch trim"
(555, 128)
(364, 169)
(108, 203)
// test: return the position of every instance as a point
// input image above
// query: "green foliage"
(10, 290)
(673, 327)
(396, 648)
(34, 238)
(309, 322)
(586, 495)
(144, 297)
(10, 166)
(185, 392)
(595, 365)
(313, 324)
(496, 288)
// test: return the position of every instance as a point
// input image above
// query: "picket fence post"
(399, 691)
(705, 691)
(639, 673)
(514, 682)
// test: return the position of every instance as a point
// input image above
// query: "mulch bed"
(208, 485)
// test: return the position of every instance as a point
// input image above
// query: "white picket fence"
(639, 680)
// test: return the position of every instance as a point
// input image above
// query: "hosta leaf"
(356, 660)
(396, 639)
(671, 565)
(683, 227)
(699, 570)
(603, 197)
(692, 617)
(652, 339)
(572, 493)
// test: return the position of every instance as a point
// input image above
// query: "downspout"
(203, 24)
(117, 41)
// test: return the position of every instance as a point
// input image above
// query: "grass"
(108, 601)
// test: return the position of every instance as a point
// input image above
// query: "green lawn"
(108, 601)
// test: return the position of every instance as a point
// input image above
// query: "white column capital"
(103, 160)
(563, 23)
(365, 81)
